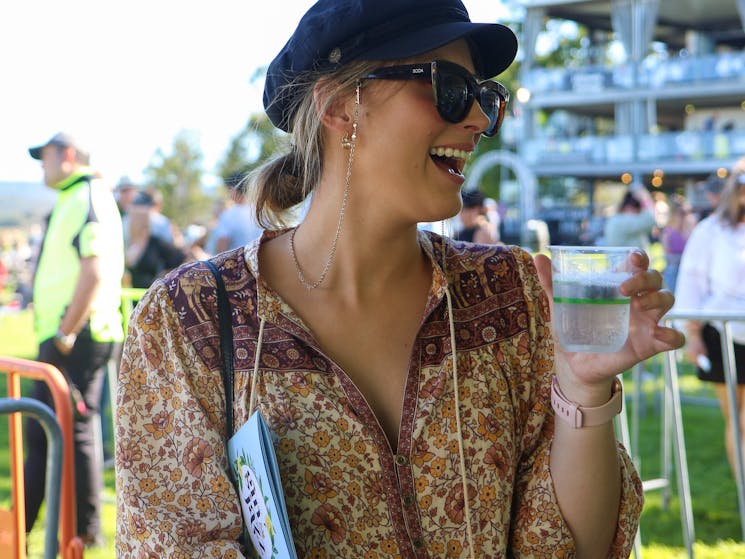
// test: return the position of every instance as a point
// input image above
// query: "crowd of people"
(154, 245)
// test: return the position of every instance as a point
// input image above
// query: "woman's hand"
(586, 377)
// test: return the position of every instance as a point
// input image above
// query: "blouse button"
(401, 460)
(408, 500)
(418, 543)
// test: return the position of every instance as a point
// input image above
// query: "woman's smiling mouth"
(451, 159)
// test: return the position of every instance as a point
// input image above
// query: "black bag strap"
(226, 346)
(228, 372)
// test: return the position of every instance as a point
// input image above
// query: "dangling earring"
(346, 141)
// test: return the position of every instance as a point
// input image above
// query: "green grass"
(713, 491)
(16, 335)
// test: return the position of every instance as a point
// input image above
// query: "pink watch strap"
(578, 416)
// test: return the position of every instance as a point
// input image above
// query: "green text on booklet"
(254, 465)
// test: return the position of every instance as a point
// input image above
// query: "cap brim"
(36, 152)
(495, 44)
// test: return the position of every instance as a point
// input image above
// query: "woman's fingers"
(642, 282)
(660, 301)
(639, 260)
(669, 336)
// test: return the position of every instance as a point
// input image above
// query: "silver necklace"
(347, 144)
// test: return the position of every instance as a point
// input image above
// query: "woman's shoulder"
(467, 254)
(230, 264)
(499, 284)
(495, 267)
(192, 286)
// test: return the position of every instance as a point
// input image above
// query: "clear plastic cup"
(590, 314)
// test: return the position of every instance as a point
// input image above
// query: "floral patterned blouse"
(348, 493)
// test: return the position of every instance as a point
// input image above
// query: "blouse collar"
(273, 308)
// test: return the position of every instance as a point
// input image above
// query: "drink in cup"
(590, 314)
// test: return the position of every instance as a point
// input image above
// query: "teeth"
(450, 152)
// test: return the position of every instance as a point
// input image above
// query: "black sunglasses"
(455, 90)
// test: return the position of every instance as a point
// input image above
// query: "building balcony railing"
(653, 74)
(715, 148)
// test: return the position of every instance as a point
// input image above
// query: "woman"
(147, 256)
(711, 280)
(406, 377)
(674, 237)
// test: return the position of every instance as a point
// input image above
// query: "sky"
(126, 77)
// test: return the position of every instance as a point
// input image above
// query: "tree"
(258, 141)
(178, 176)
(253, 145)
(570, 45)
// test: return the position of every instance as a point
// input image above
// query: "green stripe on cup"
(576, 301)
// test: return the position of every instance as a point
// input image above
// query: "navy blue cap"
(335, 32)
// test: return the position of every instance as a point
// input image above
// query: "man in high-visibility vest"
(77, 321)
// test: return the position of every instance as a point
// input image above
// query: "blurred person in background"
(538, 236)
(634, 221)
(148, 256)
(661, 207)
(712, 278)
(491, 208)
(160, 225)
(475, 227)
(125, 191)
(76, 297)
(713, 186)
(680, 223)
(236, 224)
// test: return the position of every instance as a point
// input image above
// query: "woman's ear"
(336, 112)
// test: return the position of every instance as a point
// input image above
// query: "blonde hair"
(730, 209)
(287, 179)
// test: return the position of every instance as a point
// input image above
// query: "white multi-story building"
(660, 95)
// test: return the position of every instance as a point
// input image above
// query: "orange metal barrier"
(48, 421)
(71, 546)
